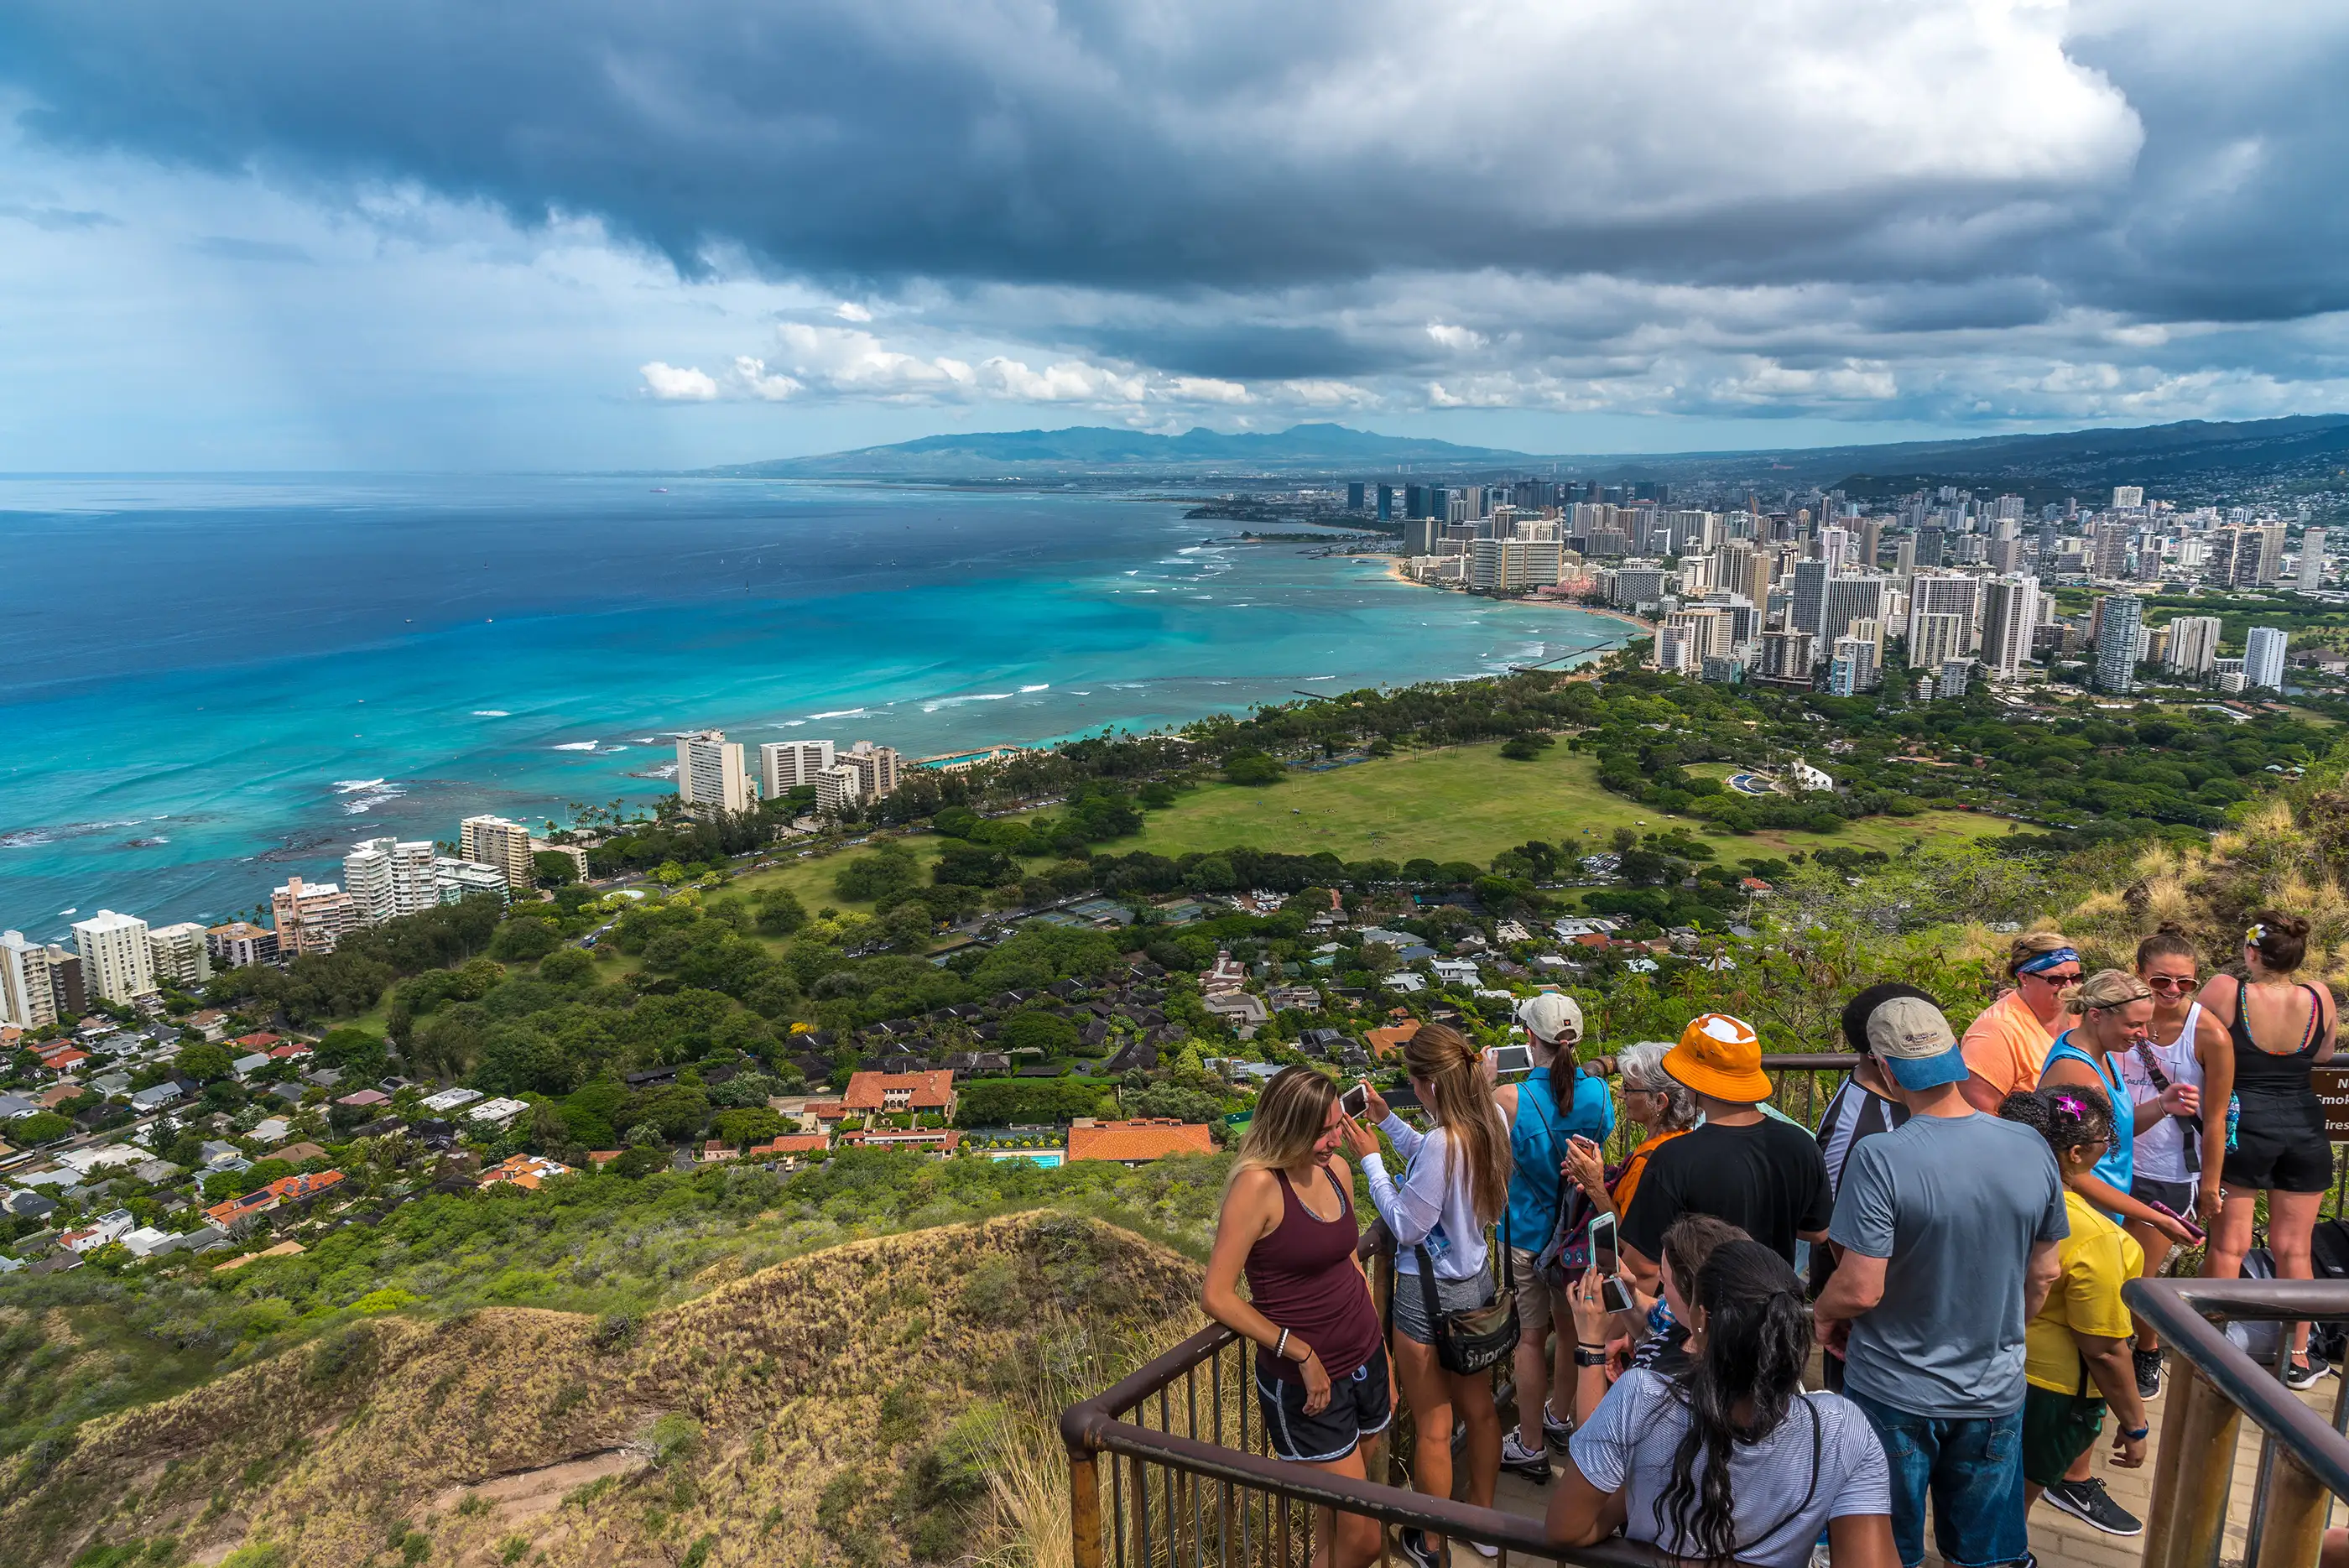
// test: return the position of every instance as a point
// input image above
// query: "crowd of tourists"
(1952, 1240)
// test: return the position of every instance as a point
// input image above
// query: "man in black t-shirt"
(1761, 1175)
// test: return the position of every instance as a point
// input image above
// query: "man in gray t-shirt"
(1947, 1231)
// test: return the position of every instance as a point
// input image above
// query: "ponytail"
(1441, 1057)
(1757, 1338)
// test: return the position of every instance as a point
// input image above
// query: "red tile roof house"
(789, 1145)
(287, 1052)
(927, 1094)
(285, 1189)
(262, 1042)
(715, 1150)
(1137, 1142)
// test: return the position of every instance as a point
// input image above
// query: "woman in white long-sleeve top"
(1455, 1183)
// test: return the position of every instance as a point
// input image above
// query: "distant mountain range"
(2151, 453)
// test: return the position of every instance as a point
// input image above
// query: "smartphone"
(2160, 1207)
(1356, 1100)
(1510, 1058)
(1602, 1246)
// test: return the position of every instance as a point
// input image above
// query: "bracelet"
(2138, 1436)
(1586, 1345)
(1280, 1345)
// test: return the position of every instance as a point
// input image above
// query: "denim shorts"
(1970, 1471)
(1450, 1295)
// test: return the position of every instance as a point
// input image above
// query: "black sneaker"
(2088, 1500)
(2148, 1373)
(1417, 1552)
(1531, 1463)
(2304, 1374)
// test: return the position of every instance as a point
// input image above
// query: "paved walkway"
(2058, 1540)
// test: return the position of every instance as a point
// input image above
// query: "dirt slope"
(837, 1409)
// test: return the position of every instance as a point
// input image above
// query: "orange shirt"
(1636, 1166)
(2007, 1044)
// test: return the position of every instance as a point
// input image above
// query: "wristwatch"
(1585, 1357)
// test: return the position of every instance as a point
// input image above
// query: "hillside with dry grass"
(882, 1402)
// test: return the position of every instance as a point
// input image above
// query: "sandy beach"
(1395, 570)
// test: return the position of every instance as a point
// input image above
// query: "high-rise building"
(1957, 674)
(1677, 647)
(1786, 656)
(839, 789)
(2312, 560)
(710, 776)
(787, 765)
(311, 918)
(178, 954)
(1386, 503)
(2193, 645)
(1354, 495)
(116, 962)
(1935, 639)
(1929, 546)
(1904, 556)
(1810, 596)
(40, 983)
(876, 768)
(2127, 496)
(2010, 614)
(2263, 652)
(1936, 593)
(1850, 597)
(2117, 633)
(1503, 565)
(1871, 543)
(2108, 550)
(239, 944)
(1418, 536)
(2270, 567)
(494, 841)
(390, 878)
(1852, 669)
(455, 880)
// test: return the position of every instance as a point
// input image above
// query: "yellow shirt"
(2099, 1258)
(2006, 1045)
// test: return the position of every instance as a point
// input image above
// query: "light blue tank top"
(2118, 1166)
(1538, 1141)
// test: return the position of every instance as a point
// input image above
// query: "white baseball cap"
(1551, 1016)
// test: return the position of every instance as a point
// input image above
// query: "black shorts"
(2280, 1146)
(1360, 1405)
(2176, 1196)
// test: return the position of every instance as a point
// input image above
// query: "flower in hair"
(2255, 936)
(2071, 1107)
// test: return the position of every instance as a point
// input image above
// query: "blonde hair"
(2106, 988)
(1291, 1114)
(1442, 1058)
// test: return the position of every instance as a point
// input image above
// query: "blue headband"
(2048, 961)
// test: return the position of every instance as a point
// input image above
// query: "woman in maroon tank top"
(1288, 1224)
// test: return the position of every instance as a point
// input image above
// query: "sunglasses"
(2168, 984)
(2054, 979)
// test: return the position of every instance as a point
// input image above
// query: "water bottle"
(2234, 1118)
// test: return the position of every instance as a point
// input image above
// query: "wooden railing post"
(2193, 1473)
(1084, 1511)
(2291, 1526)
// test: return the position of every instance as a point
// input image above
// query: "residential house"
(924, 1094)
(1244, 1012)
(789, 1145)
(246, 1066)
(1391, 1039)
(1227, 974)
(111, 1226)
(497, 1112)
(524, 1170)
(1132, 1143)
(448, 1100)
(934, 1140)
(285, 1189)
(1455, 971)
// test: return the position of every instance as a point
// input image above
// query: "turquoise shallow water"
(206, 684)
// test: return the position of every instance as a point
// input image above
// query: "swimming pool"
(1047, 1158)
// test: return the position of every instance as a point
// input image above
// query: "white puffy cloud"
(672, 384)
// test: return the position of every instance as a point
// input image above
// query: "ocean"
(209, 683)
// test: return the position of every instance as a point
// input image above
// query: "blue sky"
(432, 235)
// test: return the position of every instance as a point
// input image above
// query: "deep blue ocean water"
(208, 683)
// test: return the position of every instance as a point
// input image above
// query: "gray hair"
(1642, 1066)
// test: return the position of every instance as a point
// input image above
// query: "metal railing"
(2303, 1462)
(1172, 1465)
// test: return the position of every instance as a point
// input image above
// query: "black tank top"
(2259, 1072)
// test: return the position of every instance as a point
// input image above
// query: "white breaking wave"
(838, 713)
(492, 713)
(576, 745)
(353, 786)
(360, 804)
(1047, 686)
